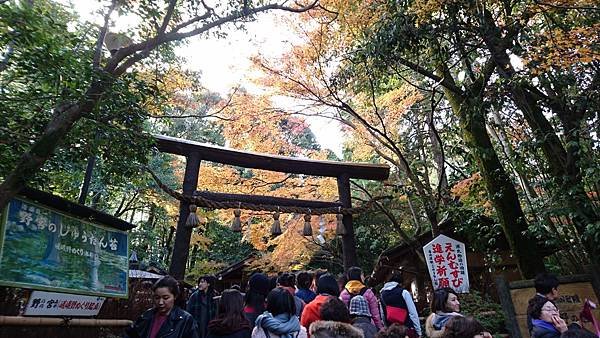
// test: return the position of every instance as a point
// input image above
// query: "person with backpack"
(361, 316)
(354, 287)
(398, 306)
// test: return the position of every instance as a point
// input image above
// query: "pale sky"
(225, 63)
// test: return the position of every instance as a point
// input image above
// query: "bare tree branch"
(102, 35)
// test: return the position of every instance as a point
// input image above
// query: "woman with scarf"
(354, 287)
(444, 306)
(279, 321)
(230, 321)
(545, 319)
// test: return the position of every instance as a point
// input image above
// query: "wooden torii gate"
(196, 152)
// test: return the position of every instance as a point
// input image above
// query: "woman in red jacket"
(326, 287)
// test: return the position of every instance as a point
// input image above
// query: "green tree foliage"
(47, 63)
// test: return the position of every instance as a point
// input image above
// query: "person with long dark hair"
(258, 288)
(280, 320)
(165, 317)
(202, 305)
(230, 321)
(444, 306)
(288, 282)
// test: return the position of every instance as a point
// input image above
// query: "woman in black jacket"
(230, 321)
(165, 318)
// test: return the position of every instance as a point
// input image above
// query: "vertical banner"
(447, 264)
(47, 250)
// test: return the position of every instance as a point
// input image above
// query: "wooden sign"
(447, 263)
(42, 303)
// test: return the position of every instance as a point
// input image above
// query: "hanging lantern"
(192, 220)
(236, 224)
(276, 228)
(340, 229)
(307, 231)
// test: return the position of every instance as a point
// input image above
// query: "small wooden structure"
(235, 274)
(403, 257)
(196, 152)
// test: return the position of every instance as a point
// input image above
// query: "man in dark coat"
(202, 305)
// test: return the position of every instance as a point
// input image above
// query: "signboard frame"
(91, 222)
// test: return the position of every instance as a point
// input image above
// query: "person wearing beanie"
(361, 316)
(327, 287)
(354, 287)
(258, 289)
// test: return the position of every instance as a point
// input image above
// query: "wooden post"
(348, 241)
(594, 273)
(181, 248)
(508, 307)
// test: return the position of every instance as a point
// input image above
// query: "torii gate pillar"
(183, 234)
(348, 240)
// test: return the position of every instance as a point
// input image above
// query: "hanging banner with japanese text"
(42, 303)
(447, 263)
(47, 250)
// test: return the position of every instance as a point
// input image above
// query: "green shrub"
(484, 309)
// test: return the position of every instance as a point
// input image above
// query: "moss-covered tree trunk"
(501, 190)
(563, 161)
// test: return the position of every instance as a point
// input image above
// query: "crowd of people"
(303, 305)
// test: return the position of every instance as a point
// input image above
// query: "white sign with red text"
(42, 303)
(447, 263)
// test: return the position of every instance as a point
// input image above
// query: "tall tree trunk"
(562, 162)
(500, 189)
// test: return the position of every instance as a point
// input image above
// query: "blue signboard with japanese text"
(44, 249)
